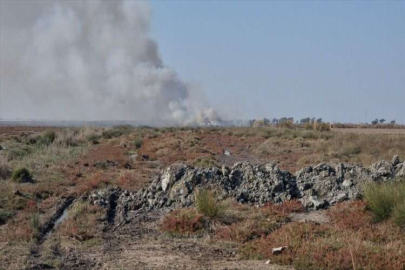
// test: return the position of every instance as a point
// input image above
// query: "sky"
(343, 61)
(178, 62)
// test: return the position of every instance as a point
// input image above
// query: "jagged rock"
(382, 169)
(316, 187)
(400, 170)
(395, 160)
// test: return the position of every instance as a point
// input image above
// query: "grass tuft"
(138, 143)
(208, 205)
(383, 198)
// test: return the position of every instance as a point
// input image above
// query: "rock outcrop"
(316, 187)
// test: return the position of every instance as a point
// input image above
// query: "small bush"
(46, 138)
(21, 175)
(138, 143)
(207, 204)
(383, 198)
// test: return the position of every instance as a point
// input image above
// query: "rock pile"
(316, 187)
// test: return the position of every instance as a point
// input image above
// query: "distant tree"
(374, 122)
(291, 119)
(305, 120)
(393, 122)
(283, 119)
(382, 120)
(313, 119)
(319, 120)
(274, 121)
(266, 121)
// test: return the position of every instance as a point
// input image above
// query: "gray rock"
(316, 187)
(395, 160)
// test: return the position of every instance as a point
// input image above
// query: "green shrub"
(138, 143)
(383, 198)
(21, 175)
(207, 204)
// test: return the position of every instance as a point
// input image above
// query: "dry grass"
(183, 221)
(82, 222)
(350, 241)
(208, 206)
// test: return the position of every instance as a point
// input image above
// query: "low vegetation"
(386, 200)
(82, 222)
(21, 175)
(207, 204)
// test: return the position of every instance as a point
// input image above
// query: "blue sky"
(343, 61)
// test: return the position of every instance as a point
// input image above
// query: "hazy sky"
(169, 62)
(340, 60)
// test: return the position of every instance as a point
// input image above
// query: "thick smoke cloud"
(88, 60)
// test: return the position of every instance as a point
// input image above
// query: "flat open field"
(370, 130)
(49, 175)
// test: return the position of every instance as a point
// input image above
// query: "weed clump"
(385, 200)
(138, 143)
(207, 204)
(46, 138)
(21, 175)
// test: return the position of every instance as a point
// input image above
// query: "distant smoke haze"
(89, 60)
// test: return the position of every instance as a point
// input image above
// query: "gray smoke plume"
(88, 60)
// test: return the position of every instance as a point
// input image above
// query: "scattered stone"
(278, 250)
(268, 262)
